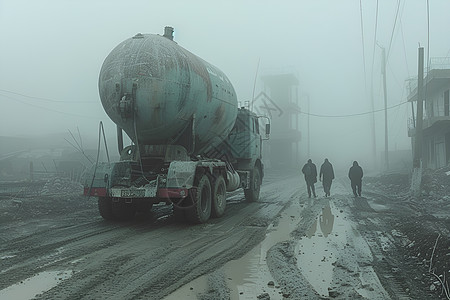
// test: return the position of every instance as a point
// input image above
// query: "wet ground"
(384, 245)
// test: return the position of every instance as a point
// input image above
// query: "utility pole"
(419, 119)
(374, 139)
(309, 132)
(383, 70)
(297, 146)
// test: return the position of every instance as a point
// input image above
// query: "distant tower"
(285, 134)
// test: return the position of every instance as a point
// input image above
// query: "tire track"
(143, 259)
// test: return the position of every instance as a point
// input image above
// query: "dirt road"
(286, 246)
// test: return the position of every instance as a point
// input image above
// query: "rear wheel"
(105, 208)
(219, 197)
(252, 194)
(200, 211)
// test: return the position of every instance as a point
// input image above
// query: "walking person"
(310, 172)
(326, 175)
(356, 174)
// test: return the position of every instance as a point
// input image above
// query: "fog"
(52, 52)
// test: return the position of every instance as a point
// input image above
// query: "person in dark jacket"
(356, 174)
(310, 172)
(326, 175)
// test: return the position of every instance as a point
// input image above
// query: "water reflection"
(312, 230)
(317, 254)
(326, 220)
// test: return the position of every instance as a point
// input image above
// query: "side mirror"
(267, 129)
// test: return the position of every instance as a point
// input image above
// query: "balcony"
(438, 75)
(429, 123)
(436, 123)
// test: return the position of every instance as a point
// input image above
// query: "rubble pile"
(61, 186)
(52, 197)
(391, 184)
(427, 234)
(436, 185)
(435, 189)
(428, 244)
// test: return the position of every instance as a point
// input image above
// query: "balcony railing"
(436, 63)
(427, 122)
(440, 63)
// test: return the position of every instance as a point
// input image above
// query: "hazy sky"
(52, 51)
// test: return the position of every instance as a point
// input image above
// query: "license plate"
(132, 193)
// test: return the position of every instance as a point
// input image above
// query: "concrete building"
(280, 103)
(436, 119)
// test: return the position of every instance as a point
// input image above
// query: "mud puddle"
(39, 283)
(333, 256)
(249, 276)
(317, 252)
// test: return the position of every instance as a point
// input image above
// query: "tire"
(200, 211)
(252, 194)
(105, 208)
(180, 208)
(219, 197)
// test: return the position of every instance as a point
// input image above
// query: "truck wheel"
(123, 211)
(200, 211)
(252, 194)
(105, 208)
(219, 197)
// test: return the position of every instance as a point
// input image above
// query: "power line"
(49, 109)
(403, 39)
(42, 99)
(393, 30)
(404, 48)
(428, 47)
(395, 78)
(374, 40)
(398, 118)
(399, 128)
(352, 115)
(362, 41)
(372, 101)
(428, 36)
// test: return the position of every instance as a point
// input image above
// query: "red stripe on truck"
(172, 193)
(100, 192)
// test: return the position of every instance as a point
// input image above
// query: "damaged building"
(436, 117)
(280, 102)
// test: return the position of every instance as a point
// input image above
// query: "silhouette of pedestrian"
(310, 172)
(356, 174)
(326, 175)
(326, 220)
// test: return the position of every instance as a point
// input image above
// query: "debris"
(333, 293)
(264, 296)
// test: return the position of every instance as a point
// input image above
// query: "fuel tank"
(158, 93)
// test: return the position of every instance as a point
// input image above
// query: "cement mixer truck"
(190, 142)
